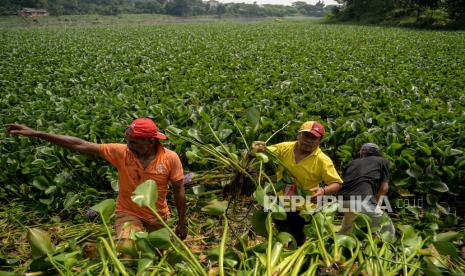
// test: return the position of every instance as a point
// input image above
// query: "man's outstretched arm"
(64, 141)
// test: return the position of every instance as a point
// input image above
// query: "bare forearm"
(382, 191)
(332, 188)
(68, 142)
(180, 202)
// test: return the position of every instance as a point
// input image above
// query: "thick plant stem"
(222, 245)
(193, 259)
(109, 235)
(321, 243)
(104, 260)
(112, 255)
(269, 249)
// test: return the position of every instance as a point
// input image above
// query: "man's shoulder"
(384, 161)
(170, 153)
(379, 159)
(323, 156)
(371, 161)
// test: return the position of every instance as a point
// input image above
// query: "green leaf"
(276, 252)
(424, 148)
(410, 236)
(431, 199)
(38, 162)
(393, 148)
(455, 152)
(346, 241)
(414, 172)
(198, 189)
(259, 248)
(356, 126)
(215, 207)
(430, 269)
(258, 222)
(105, 209)
(443, 207)
(446, 248)
(192, 156)
(114, 185)
(70, 200)
(60, 178)
(224, 133)
(402, 182)
(174, 129)
(50, 190)
(329, 208)
(447, 236)
(260, 195)
(174, 258)
(194, 133)
(67, 259)
(279, 213)
(143, 264)
(79, 159)
(46, 201)
(40, 242)
(285, 237)
(40, 264)
(127, 247)
(145, 248)
(439, 186)
(146, 194)
(160, 238)
(254, 117)
(404, 192)
(40, 182)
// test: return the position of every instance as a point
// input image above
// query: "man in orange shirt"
(141, 159)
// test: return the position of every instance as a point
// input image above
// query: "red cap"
(144, 128)
(313, 127)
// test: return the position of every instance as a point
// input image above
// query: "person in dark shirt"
(366, 181)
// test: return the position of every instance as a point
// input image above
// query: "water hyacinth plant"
(233, 82)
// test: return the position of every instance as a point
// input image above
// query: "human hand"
(317, 192)
(258, 146)
(181, 231)
(16, 129)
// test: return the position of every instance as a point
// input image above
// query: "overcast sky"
(277, 2)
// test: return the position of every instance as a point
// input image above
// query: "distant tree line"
(172, 7)
(421, 13)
